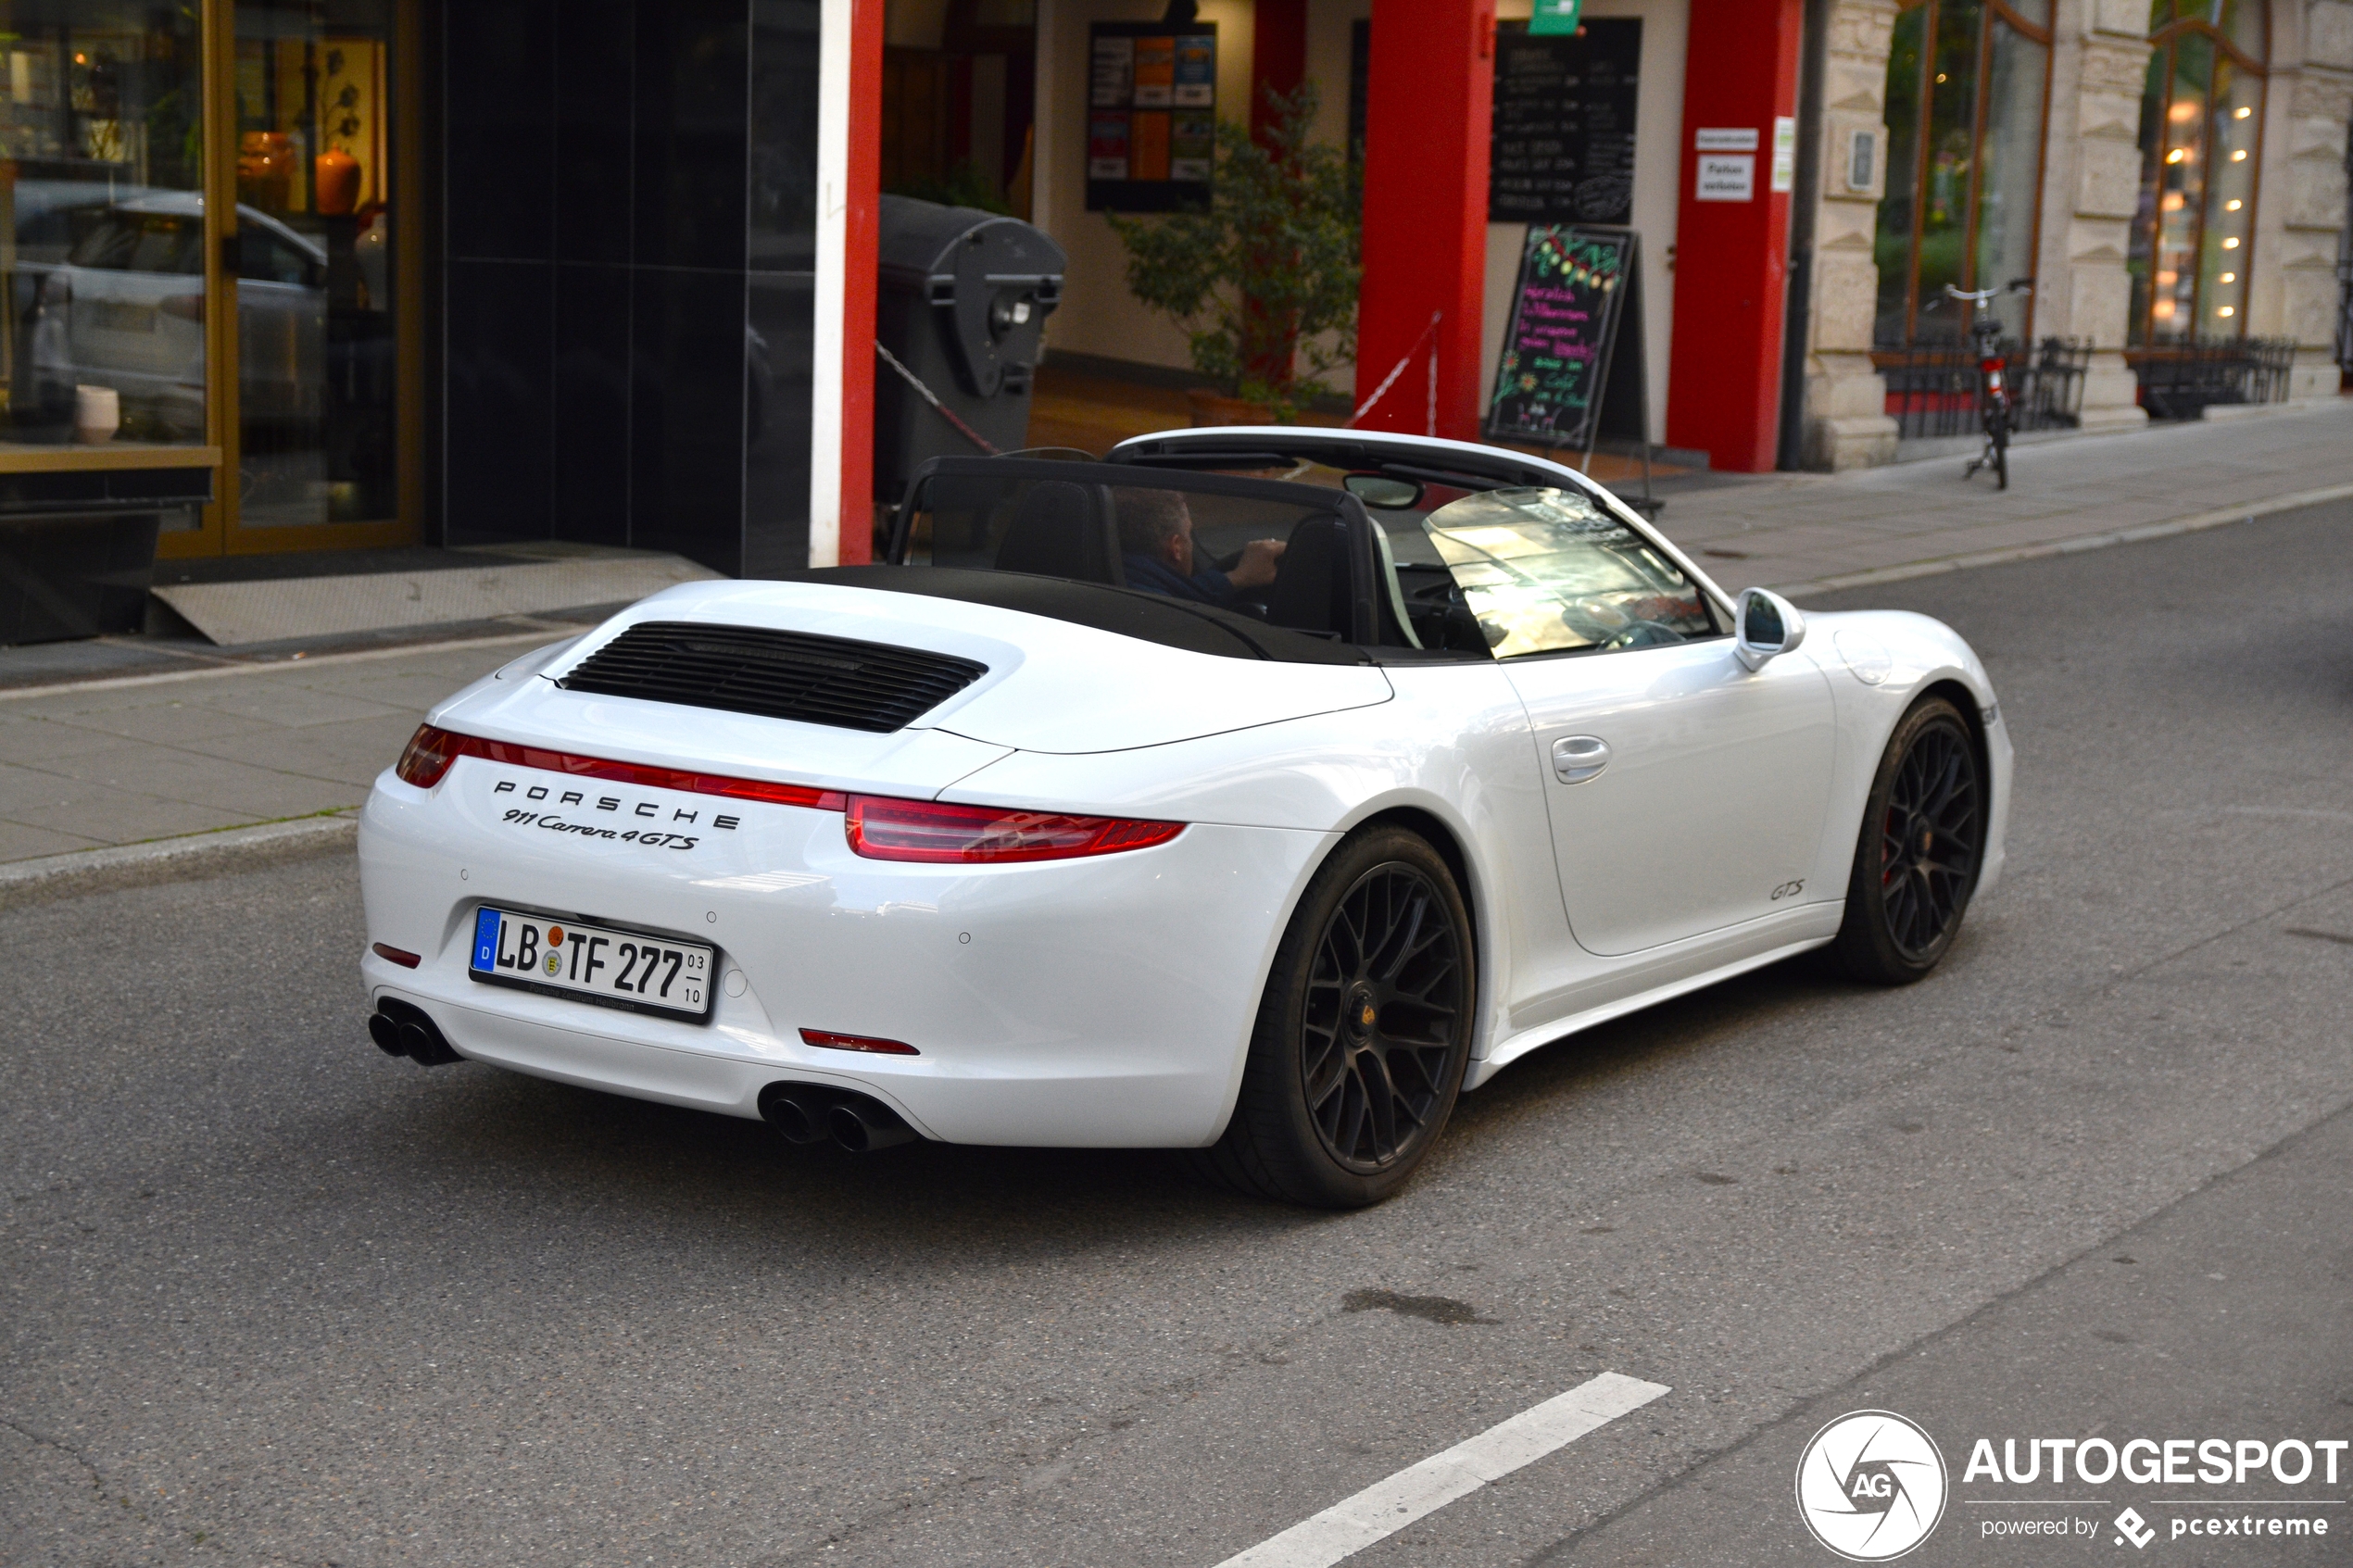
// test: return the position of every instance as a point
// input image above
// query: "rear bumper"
(1102, 1002)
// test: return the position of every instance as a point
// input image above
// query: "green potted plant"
(1263, 281)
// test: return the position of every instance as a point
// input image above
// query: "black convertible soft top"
(1149, 618)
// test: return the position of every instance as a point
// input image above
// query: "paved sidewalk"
(138, 757)
(124, 761)
(1800, 532)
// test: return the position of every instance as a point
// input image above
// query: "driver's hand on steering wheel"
(1257, 568)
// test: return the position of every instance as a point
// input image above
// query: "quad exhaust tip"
(808, 1113)
(402, 1029)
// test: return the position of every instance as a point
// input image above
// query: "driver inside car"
(1156, 547)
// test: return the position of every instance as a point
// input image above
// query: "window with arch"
(1968, 88)
(2201, 148)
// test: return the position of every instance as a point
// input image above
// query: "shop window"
(2201, 149)
(1968, 98)
(315, 339)
(102, 223)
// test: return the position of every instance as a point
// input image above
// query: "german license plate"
(593, 963)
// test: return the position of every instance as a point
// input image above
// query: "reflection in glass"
(101, 222)
(1548, 572)
(1967, 85)
(314, 276)
(2201, 119)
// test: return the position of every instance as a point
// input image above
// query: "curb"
(2194, 524)
(172, 860)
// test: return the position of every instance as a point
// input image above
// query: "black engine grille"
(775, 674)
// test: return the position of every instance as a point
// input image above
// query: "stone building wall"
(2090, 191)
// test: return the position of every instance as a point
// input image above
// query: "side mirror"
(1769, 624)
(1380, 490)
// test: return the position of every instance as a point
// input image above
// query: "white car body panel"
(1110, 1001)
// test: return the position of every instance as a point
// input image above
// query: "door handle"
(1578, 757)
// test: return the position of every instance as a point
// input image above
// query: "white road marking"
(1386, 1507)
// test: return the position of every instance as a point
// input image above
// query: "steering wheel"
(1642, 634)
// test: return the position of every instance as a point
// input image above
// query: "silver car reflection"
(125, 309)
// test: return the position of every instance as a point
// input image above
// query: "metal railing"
(2180, 381)
(1932, 389)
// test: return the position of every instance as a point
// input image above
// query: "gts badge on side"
(1789, 890)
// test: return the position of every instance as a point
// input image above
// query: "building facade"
(297, 275)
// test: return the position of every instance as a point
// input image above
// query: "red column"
(1426, 121)
(860, 260)
(1731, 257)
(1277, 55)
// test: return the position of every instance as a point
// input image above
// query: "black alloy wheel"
(1918, 857)
(1363, 1033)
(1383, 995)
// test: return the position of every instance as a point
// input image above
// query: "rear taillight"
(879, 828)
(882, 829)
(430, 751)
(427, 756)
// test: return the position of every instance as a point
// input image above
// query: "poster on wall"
(1151, 116)
(1561, 147)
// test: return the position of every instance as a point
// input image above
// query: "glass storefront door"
(102, 248)
(317, 348)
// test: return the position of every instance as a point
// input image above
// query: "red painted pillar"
(861, 264)
(1429, 104)
(1277, 55)
(1731, 256)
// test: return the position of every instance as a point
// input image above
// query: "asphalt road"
(272, 1297)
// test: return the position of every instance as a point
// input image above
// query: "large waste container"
(963, 300)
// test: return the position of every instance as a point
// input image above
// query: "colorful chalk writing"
(1565, 316)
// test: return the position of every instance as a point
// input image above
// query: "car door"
(1685, 791)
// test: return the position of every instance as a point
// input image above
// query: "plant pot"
(1216, 409)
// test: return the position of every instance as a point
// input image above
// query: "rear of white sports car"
(606, 865)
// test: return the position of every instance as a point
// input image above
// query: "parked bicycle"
(1993, 407)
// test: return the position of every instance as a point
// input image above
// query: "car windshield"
(1548, 572)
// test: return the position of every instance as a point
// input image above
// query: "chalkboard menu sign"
(1563, 142)
(1576, 287)
(1151, 116)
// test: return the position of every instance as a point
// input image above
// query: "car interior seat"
(1311, 590)
(1062, 530)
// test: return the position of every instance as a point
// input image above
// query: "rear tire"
(1916, 858)
(1363, 1033)
(2001, 449)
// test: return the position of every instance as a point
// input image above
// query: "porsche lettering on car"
(1252, 792)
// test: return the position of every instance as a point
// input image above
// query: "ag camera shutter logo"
(1871, 1486)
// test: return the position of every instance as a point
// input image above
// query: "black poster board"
(1151, 116)
(1573, 369)
(1562, 145)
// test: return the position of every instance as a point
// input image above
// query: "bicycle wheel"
(1997, 433)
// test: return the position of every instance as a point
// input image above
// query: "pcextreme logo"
(1870, 1486)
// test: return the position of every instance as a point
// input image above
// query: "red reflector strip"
(432, 751)
(834, 1042)
(883, 829)
(404, 959)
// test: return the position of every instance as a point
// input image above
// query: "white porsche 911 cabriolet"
(1251, 791)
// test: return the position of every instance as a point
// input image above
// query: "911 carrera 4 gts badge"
(553, 821)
